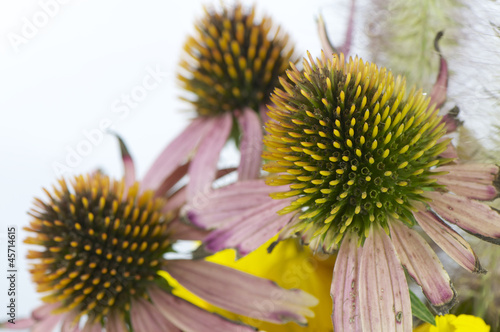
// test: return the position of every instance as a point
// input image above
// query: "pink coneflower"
(230, 69)
(103, 243)
(358, 162)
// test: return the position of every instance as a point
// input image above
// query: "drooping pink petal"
(203, 168)
(251, 229)
(472, 216)
(47, 324)
(449, 240)
(326, 45)
(115, 323)
(476, 181)
(423, 265)
(176, 152)
(92, 327)
(44, 310)
(128, 164)
(473, 172)
(223, 205)
(242, 293)
(384, 297)
(178, 199)
(146, 317)
(469, 189)
(172, 180)
(439, 90)
(190, 318)
(250, 146)
(20, 324)
(344, 290)
(181, 231)
(69, 324)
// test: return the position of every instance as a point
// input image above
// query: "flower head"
(102, 246)
(232, 67)
(234, 61)
(354, 149)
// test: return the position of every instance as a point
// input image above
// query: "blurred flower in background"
(452, 323)
(228, 71)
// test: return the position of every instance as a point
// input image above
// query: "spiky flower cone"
(234, 61)
(353, 147)
(101, 246)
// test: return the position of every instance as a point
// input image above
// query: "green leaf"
(420, 311)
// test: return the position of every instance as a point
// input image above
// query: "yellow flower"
(452, 323)
(291, 266)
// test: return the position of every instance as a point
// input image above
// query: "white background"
(69, 75)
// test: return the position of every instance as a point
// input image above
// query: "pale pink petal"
(469, 189)
(326, 45)
(92, 327)
(423, 265)
(476, 181)
(146, 317)
(472, 172)
(177, 152)
(439, 90)
(176, 201)
(182, 231)
(69, 323)
(128, 164)
(449, 240)
(172, 180)
(190, 318)
(44, 310)
(20, 324)
(47, 324)
(250, 230)
(115, 323)
(242, 293)
(325, 41)
(384, 298)
(223, 205)
(473, 217)
(250, 146)
(344, 290)
(203, 168)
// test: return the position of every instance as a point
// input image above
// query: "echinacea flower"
(358, 163)
(452, 323)
(231, 67)
(103, 244)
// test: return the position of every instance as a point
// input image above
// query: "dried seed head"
(101, 246)
(352, 146)
(234, 62)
